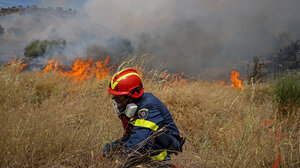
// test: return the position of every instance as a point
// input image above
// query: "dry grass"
(47, 120)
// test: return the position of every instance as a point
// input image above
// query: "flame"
(234, 79)
(81, 69)
(165, 74)
(172, 79)
(101, 69)
(12, 61)
(21, 64)
(51, 63)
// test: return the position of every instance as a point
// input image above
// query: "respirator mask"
(128, 110)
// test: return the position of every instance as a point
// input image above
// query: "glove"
(181, 142)
(116, 146)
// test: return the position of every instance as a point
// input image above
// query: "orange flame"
(51, 63)
(234, 79)
(12, 61)
(22, 65)
(16, 60)
(165, 74)
(175, 79)
(81, 69)
(101, 69)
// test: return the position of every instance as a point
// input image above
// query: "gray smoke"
(196, 37)
(81, 33)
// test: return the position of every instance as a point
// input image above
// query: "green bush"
(287, 93)
(38, 48)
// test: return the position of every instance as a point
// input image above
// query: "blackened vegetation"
(115, 48)
(97, 52)
(120, 46)
(286, 58)
(256, 71)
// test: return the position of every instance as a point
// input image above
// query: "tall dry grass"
(50, 121)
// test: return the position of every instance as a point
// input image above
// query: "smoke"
(196, 37)
(81, 33)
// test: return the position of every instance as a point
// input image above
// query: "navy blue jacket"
(150, 108)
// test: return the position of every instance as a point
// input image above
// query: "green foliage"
(38, 48)
(287, 93)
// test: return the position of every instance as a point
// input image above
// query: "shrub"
(256, 70)
(286, 58)
(287, 93)
(38, 48)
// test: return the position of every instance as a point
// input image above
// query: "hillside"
(47, 120)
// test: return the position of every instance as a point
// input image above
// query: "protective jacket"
(152, 127)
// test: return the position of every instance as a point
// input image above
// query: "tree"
(38, 48)
(287, 58)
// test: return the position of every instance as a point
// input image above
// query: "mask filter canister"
(130, 110)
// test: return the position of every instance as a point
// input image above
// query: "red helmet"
(126, 82)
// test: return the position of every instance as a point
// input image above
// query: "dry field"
(51, 121)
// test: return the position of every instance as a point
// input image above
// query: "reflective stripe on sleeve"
(159, 157)
(145, 123)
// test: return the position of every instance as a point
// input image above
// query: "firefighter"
(149, 128)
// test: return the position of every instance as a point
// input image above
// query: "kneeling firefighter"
(149, 128)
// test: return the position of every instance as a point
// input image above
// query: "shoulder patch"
(143, 113)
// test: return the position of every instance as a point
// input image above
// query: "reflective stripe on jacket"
(157, 116)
